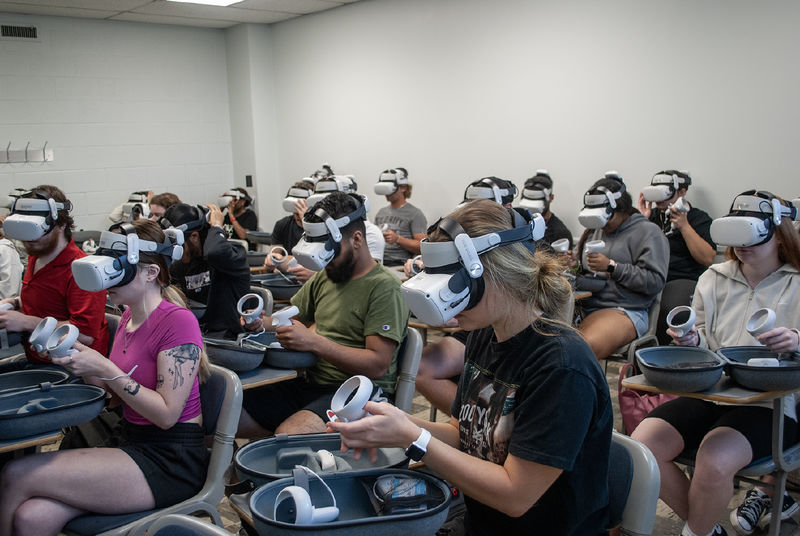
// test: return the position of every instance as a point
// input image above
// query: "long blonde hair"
(535, 280)
(150, 230)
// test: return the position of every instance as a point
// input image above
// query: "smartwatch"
(611, 265)
(419, 447)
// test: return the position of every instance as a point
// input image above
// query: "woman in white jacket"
(764, 273)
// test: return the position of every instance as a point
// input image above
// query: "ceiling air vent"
(18, 32)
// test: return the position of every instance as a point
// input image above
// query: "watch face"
(415, 453)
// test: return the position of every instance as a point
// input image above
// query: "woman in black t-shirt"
(529, 438)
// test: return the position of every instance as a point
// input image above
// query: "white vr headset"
(114, 263)
(328, 185)
(490, 188)
(136, 207)
(663, 186)
(33, 217)
(598, 208)
(293, 196)
(230, 195)
(321, 241)
(537, 190)
(752, 219)
(452, 278)
(13, 195)
(390, 180)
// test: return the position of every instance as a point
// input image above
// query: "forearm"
(409, 244)
(240, 231)
(146, 402)
(701, 251)
(350, 360)
(443, 431)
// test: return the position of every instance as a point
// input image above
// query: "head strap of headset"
(670, 177)
(396, 176)
(605, 197)
(35, 202)
(464, 251)
(128, 242)
(488, 188)
(757, 203)
(540, 186)
(193, 225)
(329, 227)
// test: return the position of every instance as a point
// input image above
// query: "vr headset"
(114, 262)
(664, 184)
(599, 203)
(200, 221)
(13, 195)
(321, 241)
(501, 191)
(293, 195)
(233, 195)
(136, 207)
(33, 215)
(752, 219)
(452, 280)
(334, 183)
(536, 192)
(390, 180)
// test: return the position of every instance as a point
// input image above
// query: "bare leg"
(606, 330)
(249, 427)
(440, 362)
(666, 443)
(722, 452)
(40, 493)
(302, 422)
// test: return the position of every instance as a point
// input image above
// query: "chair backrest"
(639, 511)
(408, 359)
(652, 315)
(183, 525)
(266, 295)
(113, 323)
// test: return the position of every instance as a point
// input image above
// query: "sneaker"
(719, 531)
(790, 507)
(745, 518)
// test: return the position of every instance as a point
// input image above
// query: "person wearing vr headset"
(137, 206)
(41, 220)
(529, 439)
(359, 320)
(687, 228)
(537, 195)
(626, 274)
(288, 230)
(762, 270)
(403, 225)
(213, 270)
(239, 217)
(154, 370)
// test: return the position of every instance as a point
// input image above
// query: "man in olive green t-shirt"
(352, 317)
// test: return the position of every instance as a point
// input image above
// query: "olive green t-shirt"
(348, 312)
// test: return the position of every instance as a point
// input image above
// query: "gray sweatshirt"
(641, 252)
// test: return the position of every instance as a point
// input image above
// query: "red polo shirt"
(52, 291)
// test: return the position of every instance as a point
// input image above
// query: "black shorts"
(269, 406)
(173, 461)
(694, 418)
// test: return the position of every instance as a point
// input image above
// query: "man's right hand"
(644, 206)
(302, 274)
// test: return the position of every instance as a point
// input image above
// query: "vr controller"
(348, 403)
(594, 246)
(560, 246)
(293, 503)
(250, 315)
(56, 340)
(281, 262)
(760, 322)
(681, 319)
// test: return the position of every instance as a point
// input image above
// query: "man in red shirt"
(48, 288)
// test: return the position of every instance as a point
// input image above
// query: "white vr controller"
(293, 505)
(6, 306)
(594, 246)
(761, 321)
(561, 245)
(250, 315)
(282, 318)
(348, 403)
(281, 262)
(56, 340)
(681, 319)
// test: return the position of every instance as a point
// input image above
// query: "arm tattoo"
(183, 354)
(160, 381)
(132, 387)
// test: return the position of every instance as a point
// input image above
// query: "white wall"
(125, 106)
(459, 89)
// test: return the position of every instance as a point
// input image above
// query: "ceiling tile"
(181, 21)
(289, 6)
(103, 5)
(30, 9)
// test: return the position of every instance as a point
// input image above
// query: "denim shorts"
(639, 317)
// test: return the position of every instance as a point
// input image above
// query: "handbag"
(636, 405)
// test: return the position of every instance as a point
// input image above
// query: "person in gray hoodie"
(625, 273)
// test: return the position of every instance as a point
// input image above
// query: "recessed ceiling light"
(219, 3)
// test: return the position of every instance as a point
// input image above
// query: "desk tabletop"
(10, 445)
(725, 391)
(581, 295)
(262, 376)
(414, 323)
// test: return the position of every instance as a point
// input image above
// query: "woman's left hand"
(780, 340)
(86, 362)
(597, 262)
(388, 426)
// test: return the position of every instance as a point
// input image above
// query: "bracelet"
(117, 376)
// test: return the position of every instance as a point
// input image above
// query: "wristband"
(419, 447)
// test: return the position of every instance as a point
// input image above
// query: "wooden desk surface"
(262, 376)
(581, 295)
(419, 325)
(10, 445)
(724, 391)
